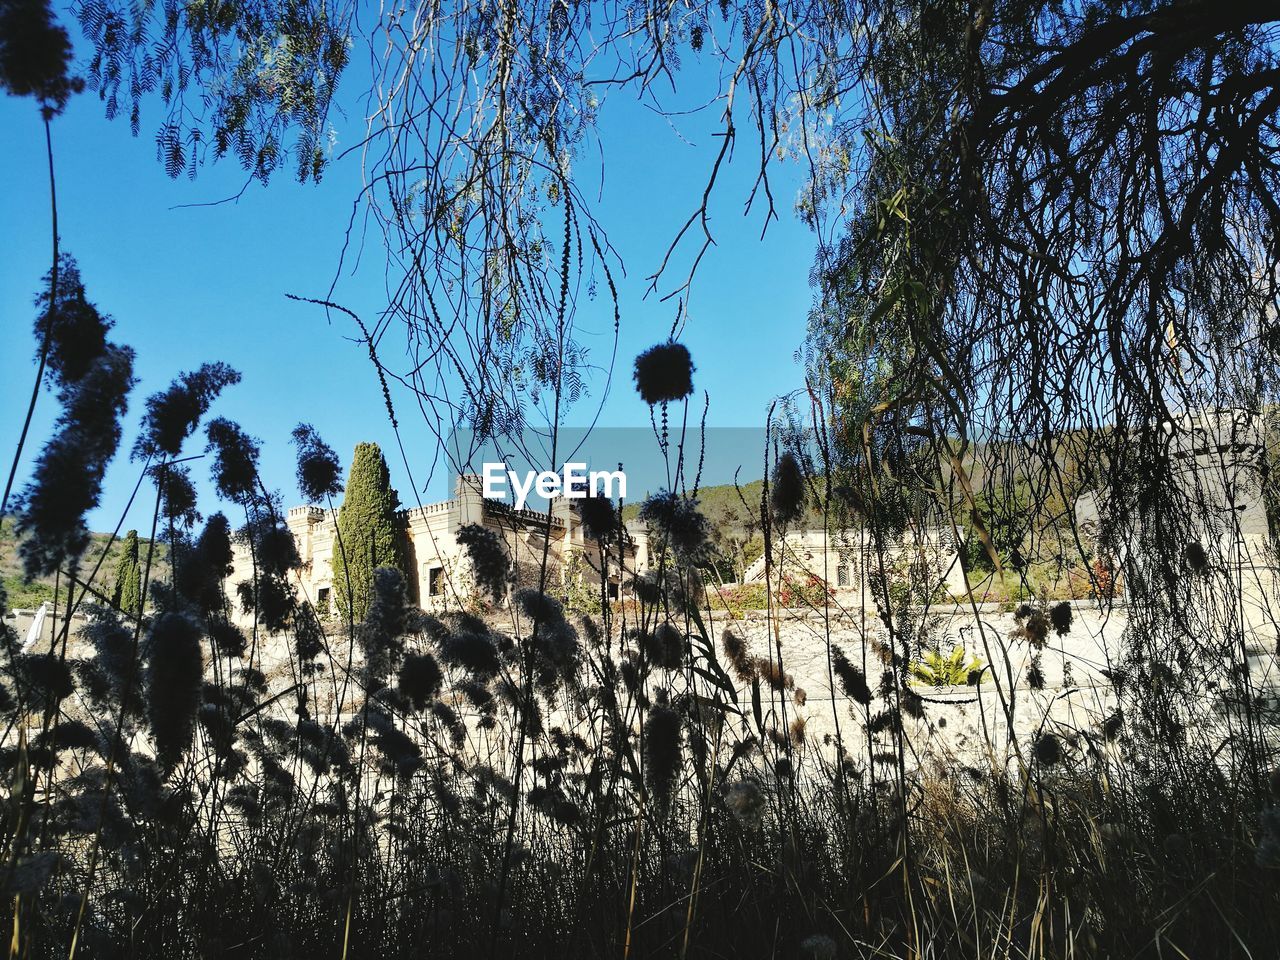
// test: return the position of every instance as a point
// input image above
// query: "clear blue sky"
(196, 284)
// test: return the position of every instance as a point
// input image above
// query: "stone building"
(848, 560)
(1215, 464)
(439, 571)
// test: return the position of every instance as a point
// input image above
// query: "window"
(844, 569)
(613, 590)
(322, 599)
(435, 581)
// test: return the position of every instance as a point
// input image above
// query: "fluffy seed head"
(43, 679)
(539, 606)
(308, 637)
(228, 639)
(178, 497)
(746, 801)
(77, 331)
(468, 645)
(664, 373)
(662, 751)
(853, 680)
(1036, 629)
(66, 482)
(200, 575)
(1048, 749)
(678, 521)
(770, 671)
(319, 470)
(420, 679)
(173, 414)
(386, 623)
(1035, 674)
(664, 647)
(787, 493)
(599, 519)
(818, 946)
(1060, 615)
(488, 557)
(235, 465)
(174, 675)
(35, 52)
(277, 552)
(740, 660)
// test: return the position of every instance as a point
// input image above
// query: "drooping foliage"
(1052, 280)
(302, 48)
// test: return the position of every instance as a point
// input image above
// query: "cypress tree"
(127, 596)
(369, 531)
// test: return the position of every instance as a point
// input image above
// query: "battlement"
(309, 514)
(428, 510)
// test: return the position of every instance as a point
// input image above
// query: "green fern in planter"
(949, 670)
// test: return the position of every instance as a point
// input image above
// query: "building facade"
(439, 572)
(849, 562)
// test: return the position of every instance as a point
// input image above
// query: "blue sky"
(188, 284)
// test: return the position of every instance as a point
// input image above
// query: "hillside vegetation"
(23, 594)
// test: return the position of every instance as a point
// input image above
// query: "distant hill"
(21, 595)
(734, 516)
(723, 506)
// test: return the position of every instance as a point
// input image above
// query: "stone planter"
(953, 695)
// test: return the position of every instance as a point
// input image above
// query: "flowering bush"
(1106, 578)
(809, 591)
(794, 592)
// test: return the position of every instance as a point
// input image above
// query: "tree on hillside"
(368, 530)
(127, 595)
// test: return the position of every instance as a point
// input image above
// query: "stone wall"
(1073, 693)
